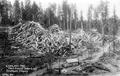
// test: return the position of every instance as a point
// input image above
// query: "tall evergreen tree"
(66, 14)
(60, 16)
(4, 12)
(75, 19)
(115, 24)
(103, 11)
(115, 27)
(90, 17)
(28, 11)
(11, 14)
(50, 16)
(17, 11)
(21, 10)
(81, 20)
(74, 16)
(96, 19)
(35, 10)
(40, 15)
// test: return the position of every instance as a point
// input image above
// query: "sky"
(82, 5)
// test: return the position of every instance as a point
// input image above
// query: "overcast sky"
(82, 4)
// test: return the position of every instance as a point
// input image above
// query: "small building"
(72, 60)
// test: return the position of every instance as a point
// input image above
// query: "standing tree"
(75, 18)
(66, 15)
(90, 17)
(60, 16)
(103, 11)
(96, 19)
(11, 14)
(17, 11)
(4, 12)
(40, 15)
(81, 21)
(23, 12)
(28, 12)
(22, 9)
(35, 10)
(50, 15)
(115, 27)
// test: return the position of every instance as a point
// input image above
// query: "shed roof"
(72, 60)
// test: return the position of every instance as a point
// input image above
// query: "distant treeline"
(65, 15)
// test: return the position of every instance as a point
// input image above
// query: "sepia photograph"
(59, 38)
